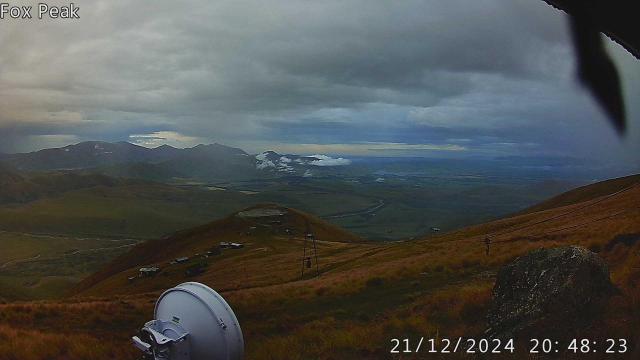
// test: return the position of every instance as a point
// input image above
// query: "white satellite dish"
(192, 322)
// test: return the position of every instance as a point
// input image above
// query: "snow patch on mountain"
(265, 164)
(262, 157)
(324, 160)
(296, 164)
(270, 159)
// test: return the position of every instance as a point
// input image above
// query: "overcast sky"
(432, 78)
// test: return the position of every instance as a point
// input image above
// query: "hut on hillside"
(148, 271)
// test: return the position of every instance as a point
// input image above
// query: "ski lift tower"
(311, 255)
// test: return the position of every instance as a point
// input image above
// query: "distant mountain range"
(204, 162)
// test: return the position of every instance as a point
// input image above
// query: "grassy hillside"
(143, 211)
(366, 293)
(585, 193)
(83, 203)
(151, 210)
(16, 187)
(139, 170)
(42, 266)
(272, 239)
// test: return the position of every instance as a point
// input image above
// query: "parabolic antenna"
(192, 322)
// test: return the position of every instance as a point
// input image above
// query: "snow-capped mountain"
(212, 162)
(296, 164)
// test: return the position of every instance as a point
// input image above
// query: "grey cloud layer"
(235, 71)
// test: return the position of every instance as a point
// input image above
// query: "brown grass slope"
(366, 293)
(234, 228)
(585, 193)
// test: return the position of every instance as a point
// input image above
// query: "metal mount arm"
(163, 340)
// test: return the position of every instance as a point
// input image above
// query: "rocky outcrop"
(550, 289)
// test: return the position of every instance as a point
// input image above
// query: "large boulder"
(548, 290)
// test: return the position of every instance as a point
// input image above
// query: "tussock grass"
(366, 294)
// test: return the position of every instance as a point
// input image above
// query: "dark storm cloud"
(321, 72)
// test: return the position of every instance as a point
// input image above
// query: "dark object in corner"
(555, 290)
(596, 70)
(616, 19)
